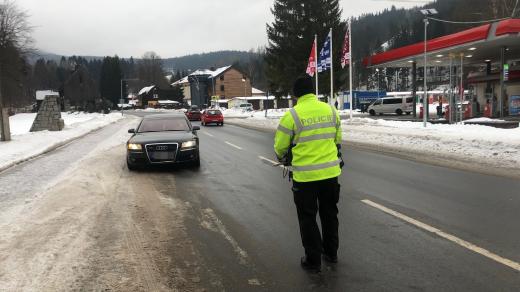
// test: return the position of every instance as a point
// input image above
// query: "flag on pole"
(325, 59)
(311, 67)
(345, 52)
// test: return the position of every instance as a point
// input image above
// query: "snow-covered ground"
(461, 143)
(25, 145)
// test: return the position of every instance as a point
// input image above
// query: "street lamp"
(426, 13)
(244, 80)
(377, 70)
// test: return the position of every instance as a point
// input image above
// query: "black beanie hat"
(302, 86)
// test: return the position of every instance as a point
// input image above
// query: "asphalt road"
(377, 251)
(84, 222)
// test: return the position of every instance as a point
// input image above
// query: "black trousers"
(310, 198)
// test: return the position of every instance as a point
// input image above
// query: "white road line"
(218, 226)
(274, 163)
(233, 145)
(452, 238)
(207, 134)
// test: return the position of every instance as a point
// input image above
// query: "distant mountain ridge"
(189, 62)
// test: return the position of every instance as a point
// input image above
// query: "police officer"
(309, 135)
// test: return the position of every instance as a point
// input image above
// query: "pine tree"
(110, 80)
(291, 36)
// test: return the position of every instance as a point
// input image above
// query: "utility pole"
(426, 110)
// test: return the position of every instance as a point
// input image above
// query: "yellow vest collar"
(307, 97)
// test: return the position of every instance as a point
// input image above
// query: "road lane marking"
(216, 225)
(452, 238)
(233, 145)
(207, 134)
(274, 163)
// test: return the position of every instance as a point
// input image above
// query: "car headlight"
(132, 146)
(189, 144)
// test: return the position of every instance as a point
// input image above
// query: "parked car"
(194, 114)
(212, 116)
(246, 107)
(163, 139)
(391, 105)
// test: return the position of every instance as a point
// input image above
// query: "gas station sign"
(506, 72)
(514, 105)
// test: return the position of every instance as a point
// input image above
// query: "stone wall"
(49, 116)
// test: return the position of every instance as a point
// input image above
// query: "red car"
(193, 114)
(212, 116)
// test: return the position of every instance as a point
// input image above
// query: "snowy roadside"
(26, 145)
(471, 147)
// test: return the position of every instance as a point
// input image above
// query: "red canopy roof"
(480, 33)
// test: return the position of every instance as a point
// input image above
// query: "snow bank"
(479, 145)
(25, 145)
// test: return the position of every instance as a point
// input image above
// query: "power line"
(477, 22)
(468, 22)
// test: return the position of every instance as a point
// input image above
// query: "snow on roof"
(146, 89)
(212, 74)
(167, 102)
(272, 97)
(41, 94)
(257, 91)
(181, 81)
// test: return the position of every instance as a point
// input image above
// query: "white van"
(246, 107)
(391, 105)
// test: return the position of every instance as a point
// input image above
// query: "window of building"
(221, 77)
(221, 87)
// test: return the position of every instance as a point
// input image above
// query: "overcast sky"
(169, 27)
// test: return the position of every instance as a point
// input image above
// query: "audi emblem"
(161, 148)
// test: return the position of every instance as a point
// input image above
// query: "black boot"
(310, 267)
(330, 259)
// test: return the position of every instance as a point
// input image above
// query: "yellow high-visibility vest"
(313, 128)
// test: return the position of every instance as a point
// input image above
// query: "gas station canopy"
(476, 46)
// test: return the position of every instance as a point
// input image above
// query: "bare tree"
(150, 70)
(15, 42)
(15, 29)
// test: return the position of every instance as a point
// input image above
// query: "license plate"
(162, 156)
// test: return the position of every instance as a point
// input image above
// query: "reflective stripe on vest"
(315, 137)
(300, 128)
(316, 166)
(285, 130)
(297, 121)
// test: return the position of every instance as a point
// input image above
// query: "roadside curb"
(54, 147)
(449, 161)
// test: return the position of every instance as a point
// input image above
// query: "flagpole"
(351, 95)
(316, 60)
(331, 70)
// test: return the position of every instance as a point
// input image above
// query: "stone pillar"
(49, 116)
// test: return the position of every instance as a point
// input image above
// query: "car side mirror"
(196, 128)
(131, 131)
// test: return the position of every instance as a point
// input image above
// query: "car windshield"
(166, 124)
(213, 113)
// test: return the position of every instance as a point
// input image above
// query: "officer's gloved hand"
(340, 156)
(283, 160)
